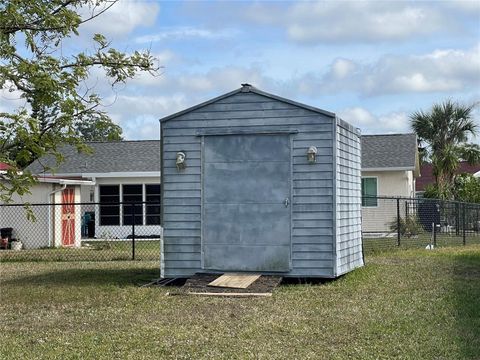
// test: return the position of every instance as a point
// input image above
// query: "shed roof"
(389, 152)
(245, 89)
(106, 157)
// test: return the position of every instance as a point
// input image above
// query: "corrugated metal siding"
(348, 194)
(312, 198)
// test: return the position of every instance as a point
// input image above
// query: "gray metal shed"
(266, 185)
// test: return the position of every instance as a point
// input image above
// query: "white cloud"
(334, 21)
(141, 127)
(146, 98)
(11, 98)
(417, 82)
(139, 115)
(395, 122)
(122, 18)
(470, 7)
(126, 105)
(368, 123)
(216, 79)
(439, 71)
(442, 70)
(178, 33)
(138, 112)
(358, 116)
(342, 68)
(165, 57)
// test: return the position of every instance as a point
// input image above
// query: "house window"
(152, 198)
(109, 205)
(132, 194)
(369, 191)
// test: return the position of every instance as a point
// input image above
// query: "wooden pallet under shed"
(230, 284)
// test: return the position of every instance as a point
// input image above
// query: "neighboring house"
(4, 167)
(428, 178)
(53, 227)
(122, 171)
(390, 167)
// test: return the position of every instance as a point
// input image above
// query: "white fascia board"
(110, 174)
(4, 172)
(122, 174)
(66, 181)
(404, 168)
(77, 182)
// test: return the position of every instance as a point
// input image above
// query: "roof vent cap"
(246, 87)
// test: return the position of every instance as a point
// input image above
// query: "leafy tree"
(445, 130)
(432, 191)
(36, 65)
(467, 188)
(99, 129)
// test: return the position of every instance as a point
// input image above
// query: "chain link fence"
(83, 232)
(131, 230)
(391, 223)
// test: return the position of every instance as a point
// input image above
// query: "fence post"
(398, 221)
(434, 234)
(133, 232)
(478, 221)
(464, 225)
(457, 219)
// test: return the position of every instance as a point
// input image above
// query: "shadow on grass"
(466, 288)
(89, 277)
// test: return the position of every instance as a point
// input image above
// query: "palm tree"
(445, 130)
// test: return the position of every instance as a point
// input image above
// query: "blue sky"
(371, 62)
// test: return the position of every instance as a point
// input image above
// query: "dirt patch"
(199, 283)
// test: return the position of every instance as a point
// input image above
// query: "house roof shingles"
(114, 156)
(378, 151)
(389, 151)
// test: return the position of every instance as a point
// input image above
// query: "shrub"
(408, 227)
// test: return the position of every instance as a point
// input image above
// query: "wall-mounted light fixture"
(181, 160)
(312, 154)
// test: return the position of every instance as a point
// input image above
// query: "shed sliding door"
(246, 203)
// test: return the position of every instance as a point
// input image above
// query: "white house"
(46, 226)
(390, 166)
(117, 173)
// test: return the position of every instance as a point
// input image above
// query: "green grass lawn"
(412, 304)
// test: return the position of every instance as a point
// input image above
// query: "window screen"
(152, 197)
(109, 205)
(132, 194)
(369, 192)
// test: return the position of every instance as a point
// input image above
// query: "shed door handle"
(286, 202)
